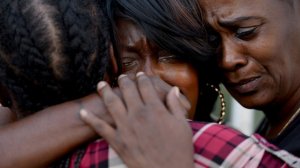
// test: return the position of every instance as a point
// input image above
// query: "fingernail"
(184, 101)
(139, 74)
(83, 113)
(176, 89)
(122, 76)
(101, 85)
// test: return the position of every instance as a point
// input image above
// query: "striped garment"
(215, 146)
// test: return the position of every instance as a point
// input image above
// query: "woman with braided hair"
(46, 43)
(50, 52)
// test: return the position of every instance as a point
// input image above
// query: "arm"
(40, 139)
(144, 127)
(146, 136)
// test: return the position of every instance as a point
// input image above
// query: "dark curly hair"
(51, 51)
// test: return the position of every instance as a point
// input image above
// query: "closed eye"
(245, 33)
(169, 59)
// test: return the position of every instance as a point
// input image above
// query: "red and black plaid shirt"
(215, 146)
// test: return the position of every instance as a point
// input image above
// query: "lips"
(244, 86)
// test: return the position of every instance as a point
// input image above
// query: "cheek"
(186, 78)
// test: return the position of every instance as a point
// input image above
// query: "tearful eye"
(129, 63)
(169, 59)
(245, 32)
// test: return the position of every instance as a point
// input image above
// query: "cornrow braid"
(51, 51)
(75, 20)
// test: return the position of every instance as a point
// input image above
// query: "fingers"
(99, 126)
(147, 90)
(174, 104)
(113, 103)
(163, 89)
(130, 93)
(137, 94)
(184, 101)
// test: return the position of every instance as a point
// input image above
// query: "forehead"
(128, 32)
(230, 9)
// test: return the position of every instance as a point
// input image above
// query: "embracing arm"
(147, 133)
(151, 134)
(40, 139)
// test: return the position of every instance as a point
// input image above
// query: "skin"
(139, 54)
(29, 142)
(259, 54)
(236, 60)
(138, 114)
(38, 148)
(144, 125)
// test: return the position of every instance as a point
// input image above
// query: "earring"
(222, 102)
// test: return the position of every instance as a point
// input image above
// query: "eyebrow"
(235, 21)
(131, 48)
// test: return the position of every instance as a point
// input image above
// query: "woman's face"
(260, 49)
(138, 54)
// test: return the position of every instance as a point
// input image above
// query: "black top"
(289, 140)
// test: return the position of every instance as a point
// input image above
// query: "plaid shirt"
(215, 146)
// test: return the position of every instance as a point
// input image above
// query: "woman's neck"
(280, 116)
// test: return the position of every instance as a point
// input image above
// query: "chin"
(255, 101)
(258, 103)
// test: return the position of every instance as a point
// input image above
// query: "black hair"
(51, 51)
(178, 27)
(175, 25)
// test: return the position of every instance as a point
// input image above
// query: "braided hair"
(51, 51)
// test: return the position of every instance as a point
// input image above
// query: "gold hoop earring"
(222, 102)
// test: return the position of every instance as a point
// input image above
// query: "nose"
(232, 56)
(151, 67)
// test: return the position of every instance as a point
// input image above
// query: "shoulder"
(290, 138)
